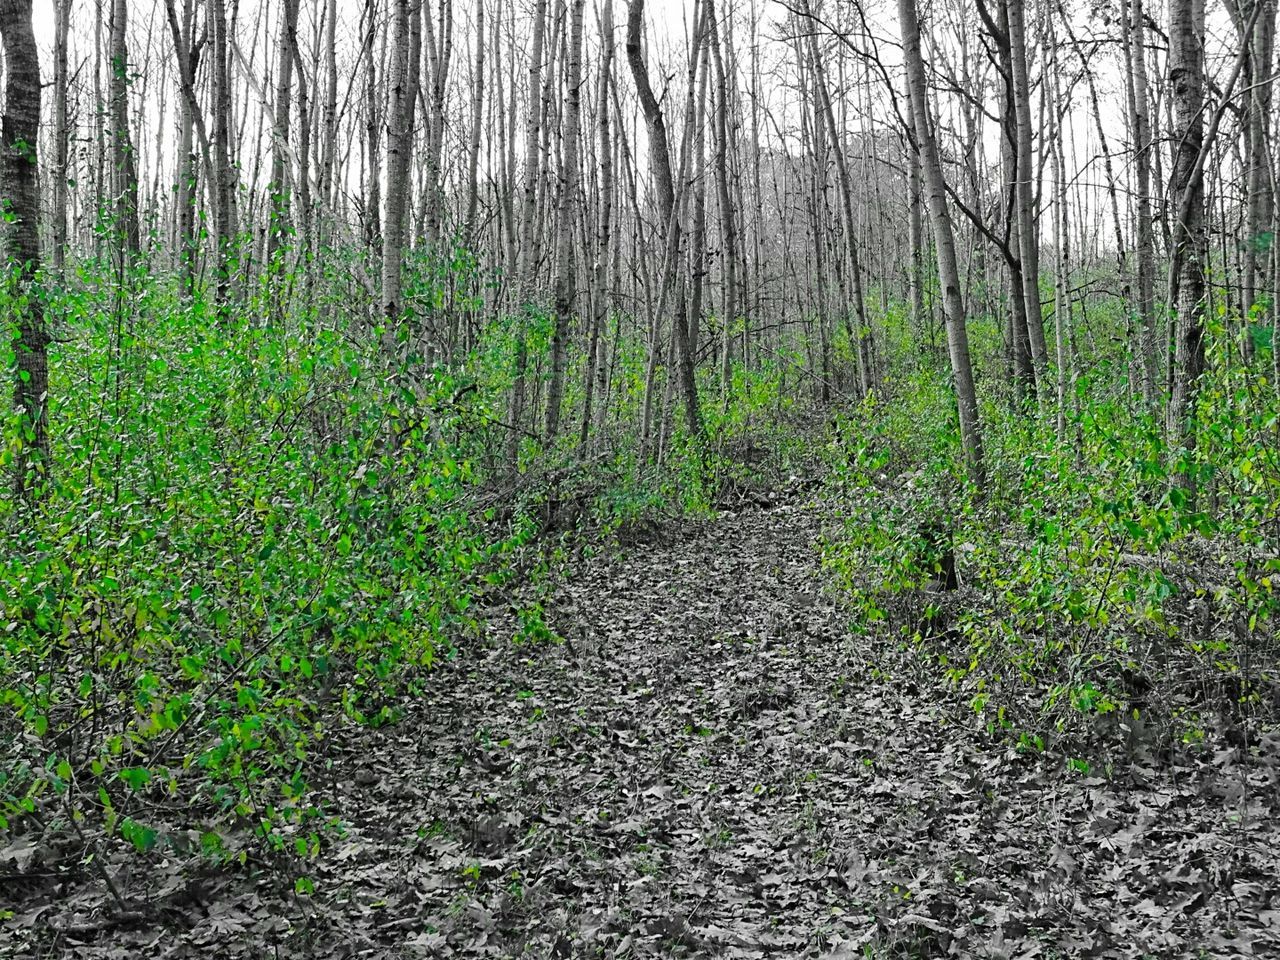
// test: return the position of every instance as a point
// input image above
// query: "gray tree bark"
(944, 243)
(19, 134)
(565, 299)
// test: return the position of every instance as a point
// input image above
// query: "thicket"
(259, 530)
(1101, 604)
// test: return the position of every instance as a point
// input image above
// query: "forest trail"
(712, 766)
(709, 768)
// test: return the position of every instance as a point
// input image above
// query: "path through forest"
(711, 766)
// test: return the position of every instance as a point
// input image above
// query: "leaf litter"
(709, 765)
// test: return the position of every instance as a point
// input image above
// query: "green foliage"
(261, 527)
(254, 532)
(1089, 574)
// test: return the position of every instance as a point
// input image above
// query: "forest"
(685, 478)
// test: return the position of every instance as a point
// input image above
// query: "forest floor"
(711, 765)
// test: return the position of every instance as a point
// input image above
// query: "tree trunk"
(1259, 241)
(477, 119)
(19, 134)
(373, 133)
(593, 411)
(660, 162)
(61, 134)
(944, 242)
(400, 117)
(188, 57)
(1186, 187)
(123, 160)
(1028, 239)
(279, 186)
(728, 222)
(225, 239)
(859, 338)
(1134, 29)
(565, 300)
(526, 249)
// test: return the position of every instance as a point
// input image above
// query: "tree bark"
(860, 338)
(728, 221)
(400, 119)
(19, 134)
(660, 161)
(526, 249)
(123, 160)
(61, 135)
(565, 299)
(279, 185)
(597, 373)
(1028, 239)
(225, 228)
(477, 121)
(1186, 186)
(944, 242)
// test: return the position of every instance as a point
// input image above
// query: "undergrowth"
(259, 531)
(1094, 602)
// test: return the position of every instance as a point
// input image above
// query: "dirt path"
(711, 768)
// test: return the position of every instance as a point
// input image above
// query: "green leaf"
(136, 777)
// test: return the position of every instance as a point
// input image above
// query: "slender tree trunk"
(439, 47)
(123, 159)
(1134, 30)
(698, 237)
(477, 120)
(565, 300)
(19, 193)
(1018, 332)
(1259, 241)
(279, 186)
(225, 229)
(306, 202)
(915, 235)
(400, 118)
(1061, 239)
(728, 222)
(373, 132)
(188, 56)
(660, 161)
(526, 249)
(596, 368)
(329, 149)
(1028, 239)
(1187, 278)
(944, 242)
(61, 135)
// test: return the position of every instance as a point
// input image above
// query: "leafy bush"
(1093, 587)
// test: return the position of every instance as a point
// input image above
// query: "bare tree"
(477, 125)
(224, 207)
(527, 246)
(19, 134)
(660, 162)
(61, 134)
(123, 162)
(278, 226)
(1133, 28)
(597, 374)
(944, 242)
(859, 338)
(565, 299)
(400, 119)
(1028, 239)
